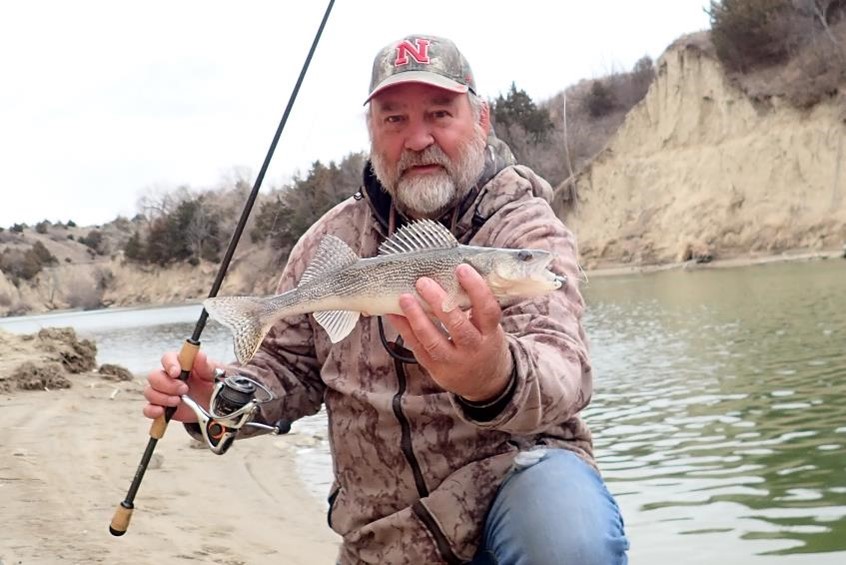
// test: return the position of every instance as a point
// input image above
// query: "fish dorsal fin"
(332, 255)
(422, 235)
(337, 323)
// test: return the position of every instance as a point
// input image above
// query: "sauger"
(338, 286)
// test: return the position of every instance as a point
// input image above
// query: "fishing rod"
(234, 400)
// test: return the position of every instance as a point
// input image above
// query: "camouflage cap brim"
(425, 77)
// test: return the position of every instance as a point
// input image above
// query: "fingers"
(487, 313)
(402, 326)
(425, 339)
(164, 387)
(160, 398)
(153, 411)
(162, 382)
(170, 363)
(460, 329)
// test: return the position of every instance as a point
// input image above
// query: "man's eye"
(393, 119)
(440, 114)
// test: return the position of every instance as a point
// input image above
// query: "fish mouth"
(555, 280)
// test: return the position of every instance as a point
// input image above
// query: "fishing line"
(120, 521)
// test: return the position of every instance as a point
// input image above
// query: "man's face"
(427, 148)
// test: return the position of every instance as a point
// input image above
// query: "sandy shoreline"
(69, 456)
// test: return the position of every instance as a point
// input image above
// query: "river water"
(719, 411)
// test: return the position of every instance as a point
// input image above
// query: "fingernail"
(423, 283)
(183, 389)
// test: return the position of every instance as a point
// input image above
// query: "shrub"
(94, 241)
(753, 33)
(283, 219)
(25, 265)
(42, 226)
(600, 100)
(518, 109)
(42, 254)
(18, 228)
(134, 248)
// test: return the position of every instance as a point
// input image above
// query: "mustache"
(432, 155)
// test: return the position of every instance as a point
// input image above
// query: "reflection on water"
(719, 414)
(720, 410)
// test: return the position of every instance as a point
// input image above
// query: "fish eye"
(525, 255)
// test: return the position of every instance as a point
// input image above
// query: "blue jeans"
(553, 509)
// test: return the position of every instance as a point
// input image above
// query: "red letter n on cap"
(419, 52)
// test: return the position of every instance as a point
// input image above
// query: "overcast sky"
(102, 101)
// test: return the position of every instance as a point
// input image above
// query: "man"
(455, 441)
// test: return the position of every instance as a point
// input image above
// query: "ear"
(485, 118)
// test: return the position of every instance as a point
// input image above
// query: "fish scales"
(338, 286)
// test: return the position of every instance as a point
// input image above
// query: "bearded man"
(455, 440)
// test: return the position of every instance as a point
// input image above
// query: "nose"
(419, 137)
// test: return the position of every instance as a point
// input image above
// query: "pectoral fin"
(337, 323)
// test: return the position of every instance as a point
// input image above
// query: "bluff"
(700, 169)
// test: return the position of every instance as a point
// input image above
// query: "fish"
(338, 286)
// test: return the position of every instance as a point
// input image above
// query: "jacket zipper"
(418, 508)
(405, 441)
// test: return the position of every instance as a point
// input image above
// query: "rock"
(38, 376)
(76, 355)
(696, 251)
(114, 372)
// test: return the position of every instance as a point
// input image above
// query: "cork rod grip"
(120, 521)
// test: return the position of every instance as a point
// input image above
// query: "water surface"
(720, 411)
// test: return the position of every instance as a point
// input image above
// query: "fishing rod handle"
(123, 514)
(186, 357)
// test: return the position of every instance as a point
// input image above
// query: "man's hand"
(164, 387)
(473, 361)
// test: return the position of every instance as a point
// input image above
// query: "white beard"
(432, 194)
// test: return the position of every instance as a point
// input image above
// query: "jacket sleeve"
(552, 379)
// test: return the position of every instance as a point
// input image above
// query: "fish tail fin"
(249, 318)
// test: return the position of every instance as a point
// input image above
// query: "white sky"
(101, 101)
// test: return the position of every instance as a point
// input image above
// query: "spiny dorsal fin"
(421, 235)
(332, 255)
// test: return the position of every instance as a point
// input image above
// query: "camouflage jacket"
(416, 468)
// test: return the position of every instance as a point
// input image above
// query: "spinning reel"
(234, 402)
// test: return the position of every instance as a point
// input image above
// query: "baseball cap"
(421, 58)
